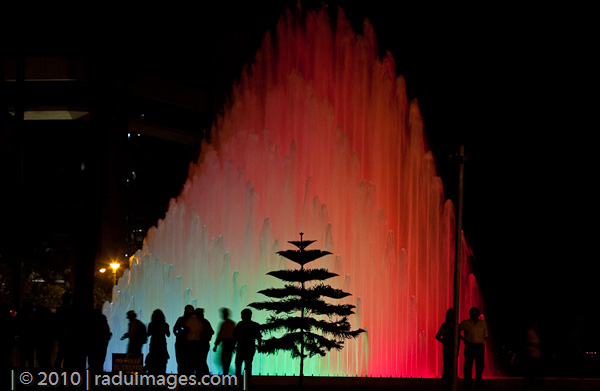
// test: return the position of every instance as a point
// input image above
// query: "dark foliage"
(302, 275)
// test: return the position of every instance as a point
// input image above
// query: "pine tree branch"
(301, 244)
(305, 275)
(309, 293)
(279, 293)
(289, 342)
(338, 329)
(303, 257)
(318, 307)
(327, 291)
(318, 344)
(314, 344)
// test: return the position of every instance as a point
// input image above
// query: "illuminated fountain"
(318, 137)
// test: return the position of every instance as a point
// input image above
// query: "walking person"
(225, 336)
(475, 332)
(136, 334)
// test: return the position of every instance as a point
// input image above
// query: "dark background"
(514, 85)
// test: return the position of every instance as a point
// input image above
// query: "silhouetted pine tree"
(296, 308)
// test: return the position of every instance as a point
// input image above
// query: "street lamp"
(114, 267)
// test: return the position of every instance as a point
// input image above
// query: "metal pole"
(457, 260)
(19, 227)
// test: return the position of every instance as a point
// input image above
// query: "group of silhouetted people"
(473, 332)
(158, 331)
(72, 337)
(68, 338)
(193, 333)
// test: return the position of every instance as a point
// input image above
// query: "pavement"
(417, 384)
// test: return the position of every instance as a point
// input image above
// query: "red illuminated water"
(318, 137)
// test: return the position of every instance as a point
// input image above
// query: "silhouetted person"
(158, 330)
(192, 347)
(44, 339)
(246, 333)
(7, 335)
(180, 338)
(573, 345)
(65, 333)
(225, 336)
(533, 355)
(446, 336)
(136, 334)
(78, 338)
(475, 333)
(205, 337)
(27, 332)
(98, 341)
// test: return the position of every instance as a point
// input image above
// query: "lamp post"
(114, 266)
(460, 159)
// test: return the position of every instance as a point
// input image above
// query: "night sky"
(512, 84)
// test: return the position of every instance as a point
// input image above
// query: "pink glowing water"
(318, 137)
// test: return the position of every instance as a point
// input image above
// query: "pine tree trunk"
(301, 379)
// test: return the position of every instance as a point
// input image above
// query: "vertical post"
(19, 226)
(457, 260)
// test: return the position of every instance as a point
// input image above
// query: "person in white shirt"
(474, 332)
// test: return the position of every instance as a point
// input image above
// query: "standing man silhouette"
(475, 332)
(246, 333)
(181, 340)
(205, 337)
(446, 336)
(193, 346)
